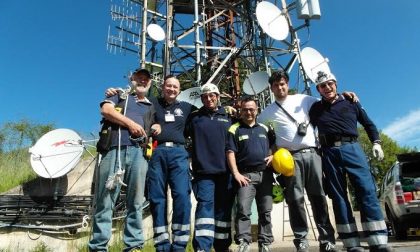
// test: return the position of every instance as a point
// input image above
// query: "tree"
(390, 148)
(21, 134)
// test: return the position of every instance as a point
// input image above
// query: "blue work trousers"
(169, 167)
(135, 166)
(349, 159)
(215, 196)
(260, 188)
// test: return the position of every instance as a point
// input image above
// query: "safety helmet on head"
(283, 162)
(278, 195)
(209, 88)
(324, 77)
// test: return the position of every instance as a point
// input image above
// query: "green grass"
(15, 169)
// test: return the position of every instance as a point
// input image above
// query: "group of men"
(231, 158)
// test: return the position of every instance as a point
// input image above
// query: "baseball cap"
(142, 71)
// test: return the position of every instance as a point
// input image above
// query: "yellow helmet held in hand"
(283, 162)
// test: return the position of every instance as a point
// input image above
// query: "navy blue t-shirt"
(208, 130)
(134, 109)
(340, 118)
(251, 145)
(172, 119)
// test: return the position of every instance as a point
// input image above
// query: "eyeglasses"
(324, 85)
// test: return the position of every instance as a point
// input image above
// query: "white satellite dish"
(313, 62)
(256, 83)
(272, 20)
(191, 95)
(155, 32)
(56, 153)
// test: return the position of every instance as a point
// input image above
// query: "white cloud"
(405, 130)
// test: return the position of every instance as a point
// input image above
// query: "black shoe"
(380, 248)
(355, 249)
(302, 247)
(328, 247)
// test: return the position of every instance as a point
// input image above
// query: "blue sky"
(54, 65)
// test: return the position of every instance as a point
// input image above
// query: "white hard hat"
(209, 88)
(324, 77)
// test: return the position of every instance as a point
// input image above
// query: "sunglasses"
(324, 85)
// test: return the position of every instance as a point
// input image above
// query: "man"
(248, 153)
(212, 182)
(169, 165)
(123, 164)
(285, 115)
(336, 119)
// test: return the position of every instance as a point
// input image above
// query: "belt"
(304, 150)
(170, 144)
(252, 169)
(330, 141)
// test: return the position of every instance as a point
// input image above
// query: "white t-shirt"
(298, 106)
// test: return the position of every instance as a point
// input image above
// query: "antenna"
(272, 20)
(211, 41)
(191, 95)
(256, 83)
(313, 62)
(56, 153)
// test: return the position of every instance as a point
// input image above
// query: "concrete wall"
(78, 182)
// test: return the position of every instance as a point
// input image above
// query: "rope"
(117, 179)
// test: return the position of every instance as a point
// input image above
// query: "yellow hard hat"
(283, 162)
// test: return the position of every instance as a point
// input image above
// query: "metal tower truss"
(218, 41)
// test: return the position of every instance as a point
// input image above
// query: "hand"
(351, 96)
(156, 129)
(268, 160)
(230, 110)
(136, 130)
(111, 91)
(242, 180)
(378, 153)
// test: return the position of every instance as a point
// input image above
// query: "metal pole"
(197, 43)
(143, 36)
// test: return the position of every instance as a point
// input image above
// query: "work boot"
(380, 248)
(355, 249)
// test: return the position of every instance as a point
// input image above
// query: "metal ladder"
(309, 216)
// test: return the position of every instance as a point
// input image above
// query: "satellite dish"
(272, 21)
(313, 62)
(155, 32)
(256, 83)
(56, 153)
(191, 95)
